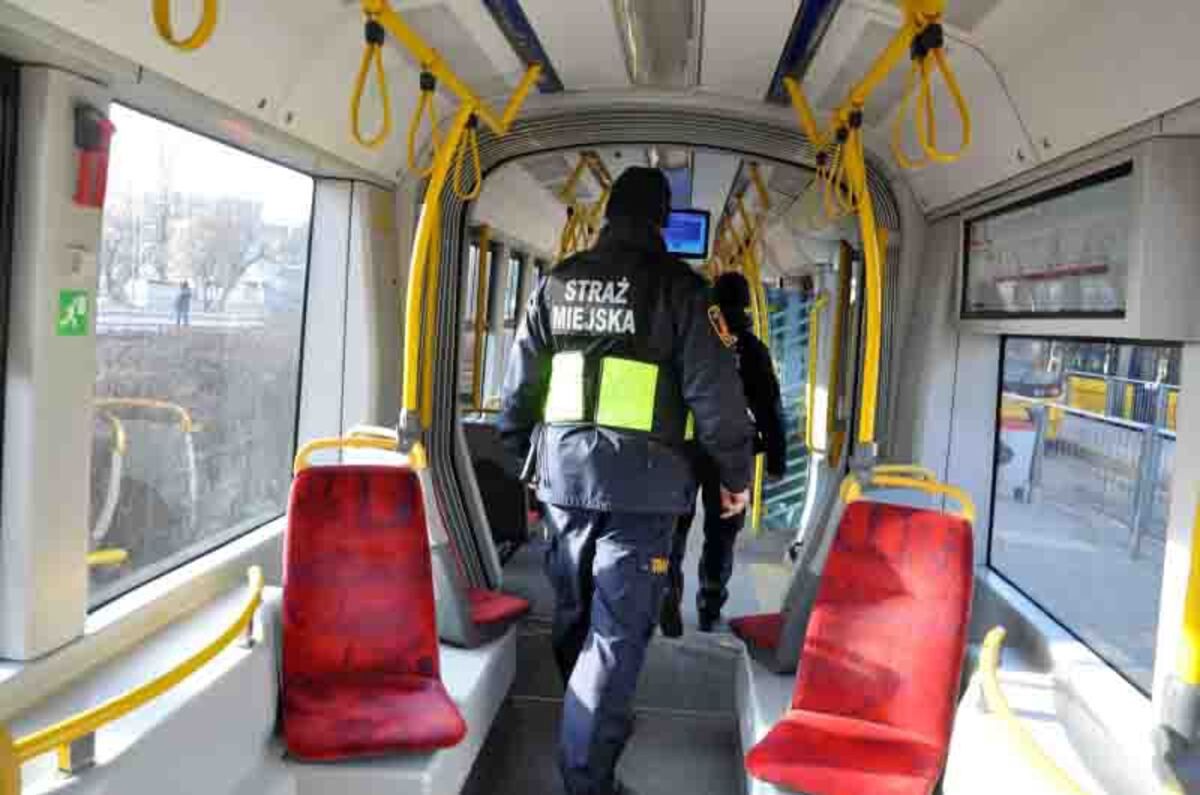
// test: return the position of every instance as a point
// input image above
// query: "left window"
(202, 272)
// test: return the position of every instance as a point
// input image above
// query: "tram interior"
(240, 267)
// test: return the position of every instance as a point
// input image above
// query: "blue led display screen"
(687, 233)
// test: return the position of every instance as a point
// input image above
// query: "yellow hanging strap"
(426, 106)
(372, 55)
(928, 56)
(469, 145)
(199, 37)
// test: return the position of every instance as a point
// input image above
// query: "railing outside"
(1120, 467)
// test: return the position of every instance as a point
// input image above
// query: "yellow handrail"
(198, 38)
(185, 418)
(470, 144)
(908, 470)
(997, 704)
(381, 13)
(1188, 663)
(356, 442)
(62, 734)
(852, 490)
(102, 558)
(420, 326)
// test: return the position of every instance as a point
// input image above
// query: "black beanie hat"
(731, 291)
(640, 193)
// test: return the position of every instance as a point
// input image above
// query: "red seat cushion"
(883, 650)
(359, 627)
(761, 631)
(492, 607)
(355, 715)
(830, 755)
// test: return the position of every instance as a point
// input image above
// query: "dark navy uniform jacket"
(627, 298)
(761, 388)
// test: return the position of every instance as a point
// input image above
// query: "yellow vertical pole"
(481, 310)
(429, 231)
(869, 393)
(10, 768)
(1189, 644)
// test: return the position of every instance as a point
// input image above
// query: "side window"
(200, 306)
(1083, 473)
(512, 288)
(471, 285)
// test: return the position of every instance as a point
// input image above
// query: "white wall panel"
(1112, 64)
(999, 142)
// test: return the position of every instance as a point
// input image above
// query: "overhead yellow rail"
(198, 38)
(583, 218)
(61, 735)
(842, 166)
(997, 704)
(420, 318)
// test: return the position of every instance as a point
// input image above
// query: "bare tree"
(227, 238)
(118, 247)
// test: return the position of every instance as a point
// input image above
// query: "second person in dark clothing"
(761, 387)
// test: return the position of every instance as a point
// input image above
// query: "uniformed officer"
(761, 388)
(615, 365)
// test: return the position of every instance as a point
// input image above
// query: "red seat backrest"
(888, 630)
(358, 587)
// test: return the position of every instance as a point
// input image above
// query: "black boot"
(708, 621)
(670, 617)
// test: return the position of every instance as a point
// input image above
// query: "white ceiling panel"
(580, 37)
(743, 40)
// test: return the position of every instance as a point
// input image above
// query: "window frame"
(227, 536)
(990, 563)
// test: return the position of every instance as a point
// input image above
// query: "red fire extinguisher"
(93, 136)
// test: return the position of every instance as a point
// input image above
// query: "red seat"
(875, 693)
(761, 630)
(491, 607)
(360, 647)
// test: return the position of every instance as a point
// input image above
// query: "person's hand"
(733, 503)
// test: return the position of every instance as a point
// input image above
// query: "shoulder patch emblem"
(721, 327)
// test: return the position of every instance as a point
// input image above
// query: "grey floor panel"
(675, 754)
(695, 673)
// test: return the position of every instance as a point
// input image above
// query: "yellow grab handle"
(929, 141)
(199, 37)
(427, 104)
(1188, 663)
(470, 142)
(997, 704)
(911, 88)
(340, 443)
(373, 54)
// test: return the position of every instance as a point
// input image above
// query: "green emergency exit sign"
(74, 307)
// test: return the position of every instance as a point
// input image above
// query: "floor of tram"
(686, 735)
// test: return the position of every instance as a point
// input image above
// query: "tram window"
(471, 286)
(199, 313)
(1084, 459)
(512, 288)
